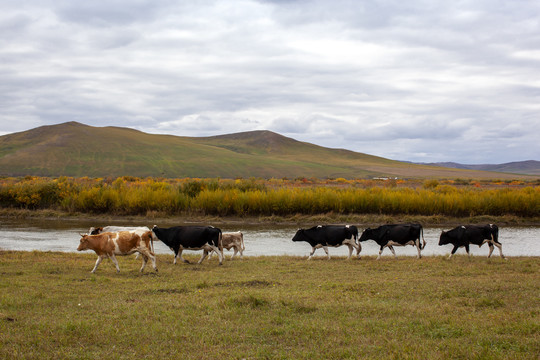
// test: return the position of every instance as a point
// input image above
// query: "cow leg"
(393, 251)
(205, 252)
(467, 250)
(313, 248)
(153, 258)
(417, 244)
(490, 249)
(234, 253)
(380, 251)
(181, 257)
(98, 261)
(453, 251)
(352, 245)
(325, 248)
(144, 261)
(145, 255)
(219, 253)
(500, 249)
(113, 259)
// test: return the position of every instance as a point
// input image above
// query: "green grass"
(269, 307)
(73, 149)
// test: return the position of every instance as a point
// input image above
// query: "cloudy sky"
(408, 80)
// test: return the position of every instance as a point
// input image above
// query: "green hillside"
(74, 149)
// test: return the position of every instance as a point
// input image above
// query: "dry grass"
(269, 307)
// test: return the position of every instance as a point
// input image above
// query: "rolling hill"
(74, 149)
(529, 167)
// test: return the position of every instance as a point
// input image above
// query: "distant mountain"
(529, 167)
(74, 149)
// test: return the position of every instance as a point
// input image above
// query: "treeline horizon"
(265, 197)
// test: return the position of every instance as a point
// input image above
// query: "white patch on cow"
(115, 242)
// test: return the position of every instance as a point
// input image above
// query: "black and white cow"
(395, 235)
(464, 235)
(323, 236)
(180, 238)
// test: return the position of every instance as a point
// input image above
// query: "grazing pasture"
(269, 307)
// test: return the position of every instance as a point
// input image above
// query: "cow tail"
(242, 239)
(220, 242)
(494, 233)
(423, 240)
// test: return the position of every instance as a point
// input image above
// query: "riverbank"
(363, 220)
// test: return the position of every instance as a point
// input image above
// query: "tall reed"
(252, 197)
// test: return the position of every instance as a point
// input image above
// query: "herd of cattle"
(113, 240)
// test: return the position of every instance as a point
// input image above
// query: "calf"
(232, 240)
(396, 235)
(180, 238)
(323, 236)
(109, 244)
(464, 235)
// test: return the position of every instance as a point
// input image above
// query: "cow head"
(444, 239)
(299, 236)
(83, 244)
(366, 235)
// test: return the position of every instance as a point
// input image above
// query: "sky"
(415, 80)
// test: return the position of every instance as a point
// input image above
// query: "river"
(260, 240)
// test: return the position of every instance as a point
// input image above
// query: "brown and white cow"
(109, 244)
(139, 230)
(233, 240)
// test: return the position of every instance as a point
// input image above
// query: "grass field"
(269, 307)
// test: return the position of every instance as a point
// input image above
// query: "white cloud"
(405, 80)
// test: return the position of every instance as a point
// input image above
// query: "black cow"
(396, 235)
(323, 236)
(180, 238)
(463, 236)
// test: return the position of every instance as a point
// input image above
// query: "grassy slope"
(269, 307)
(74, 149)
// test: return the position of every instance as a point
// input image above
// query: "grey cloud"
(408, 80)
(110, 12)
